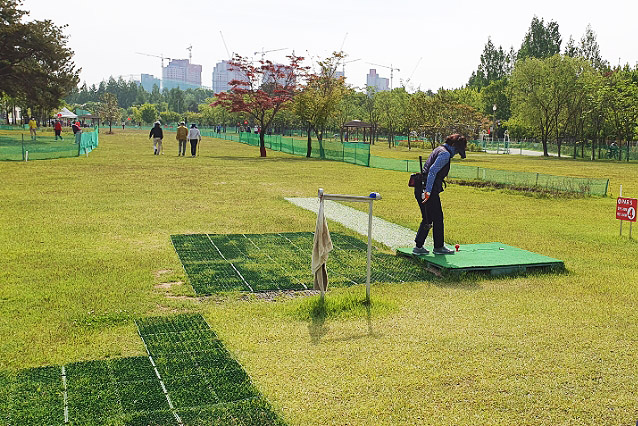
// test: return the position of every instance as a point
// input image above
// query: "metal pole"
(620, 195)
(321, 284)
(369, 251)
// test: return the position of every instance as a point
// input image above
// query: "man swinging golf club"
(434, 172)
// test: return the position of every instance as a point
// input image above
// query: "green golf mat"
(497, 258)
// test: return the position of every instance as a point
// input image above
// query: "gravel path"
(388, 233)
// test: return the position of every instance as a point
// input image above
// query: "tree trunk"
(309, 146)
(262, 144)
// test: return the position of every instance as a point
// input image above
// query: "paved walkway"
(522, 152)
(388, 233)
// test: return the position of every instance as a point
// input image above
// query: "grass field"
(85, 249)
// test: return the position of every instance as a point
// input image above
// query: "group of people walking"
(184, 134)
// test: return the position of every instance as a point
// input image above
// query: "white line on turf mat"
(231, 263)
(388, 233)
(66, 398)
(159, 377)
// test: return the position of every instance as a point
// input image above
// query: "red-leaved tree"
(262, 91)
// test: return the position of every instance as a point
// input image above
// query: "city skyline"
(449, 37)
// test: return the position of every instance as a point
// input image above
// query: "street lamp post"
(494, 121)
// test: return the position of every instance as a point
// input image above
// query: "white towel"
(321, 246)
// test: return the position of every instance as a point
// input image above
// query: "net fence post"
(368, 266)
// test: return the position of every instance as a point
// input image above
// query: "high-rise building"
(379, 83)
(148, 81)
(223, 75)
(180, 73)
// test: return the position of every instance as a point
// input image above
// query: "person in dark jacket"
(434, 172)
(157, 134)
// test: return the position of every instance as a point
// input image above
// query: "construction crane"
(190, 53)
(162, 57)
(226, 47)
(391, 68)
(263, 52)
(413, 71)
(343, 65)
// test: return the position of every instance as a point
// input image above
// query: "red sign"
(626, 208)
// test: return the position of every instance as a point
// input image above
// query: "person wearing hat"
(157, 135)
(194, 136)
(434, 172)
(182, 135)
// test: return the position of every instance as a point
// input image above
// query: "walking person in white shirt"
(194, 136)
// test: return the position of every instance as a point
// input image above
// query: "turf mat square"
(190, 391)
(132, 369)
(139, 396)
(93, 405)
(38, 397)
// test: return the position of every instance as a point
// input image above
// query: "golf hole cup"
(457, 247)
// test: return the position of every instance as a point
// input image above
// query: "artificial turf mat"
(204, 383)
(266, 262)
(496, 258)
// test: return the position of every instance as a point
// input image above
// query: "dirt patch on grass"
(161, 272)
(272, 296)
(168, 285)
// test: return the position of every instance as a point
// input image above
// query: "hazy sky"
(449, 35)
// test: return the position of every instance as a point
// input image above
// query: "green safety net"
(359, 153)
(349, 152)
(20, 147)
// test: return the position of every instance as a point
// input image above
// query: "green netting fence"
(348, 152)
(21, 147)
(359, 153)
(541, 181)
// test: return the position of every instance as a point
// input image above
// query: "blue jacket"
(437, 167)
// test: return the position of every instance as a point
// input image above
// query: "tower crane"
(263, 52)
(343, 65)
(190, 53)
(391, 68)
(413, 71)
(162, 57)
(225, 47)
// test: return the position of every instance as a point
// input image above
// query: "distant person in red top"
(77, 131)
(57, 128)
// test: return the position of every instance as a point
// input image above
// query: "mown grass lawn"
(85, 249)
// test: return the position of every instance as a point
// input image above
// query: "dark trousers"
(431, 217)
(58, 134)
(193, 147)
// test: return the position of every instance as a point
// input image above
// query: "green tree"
(168, 117)
(109, 110)
(540, 41)
(542, 91)
(317, 101)
(590, 50)
(393, 111)
(35, 64)
(148, 113)
(495, 65)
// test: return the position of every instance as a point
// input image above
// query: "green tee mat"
(497, 258)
